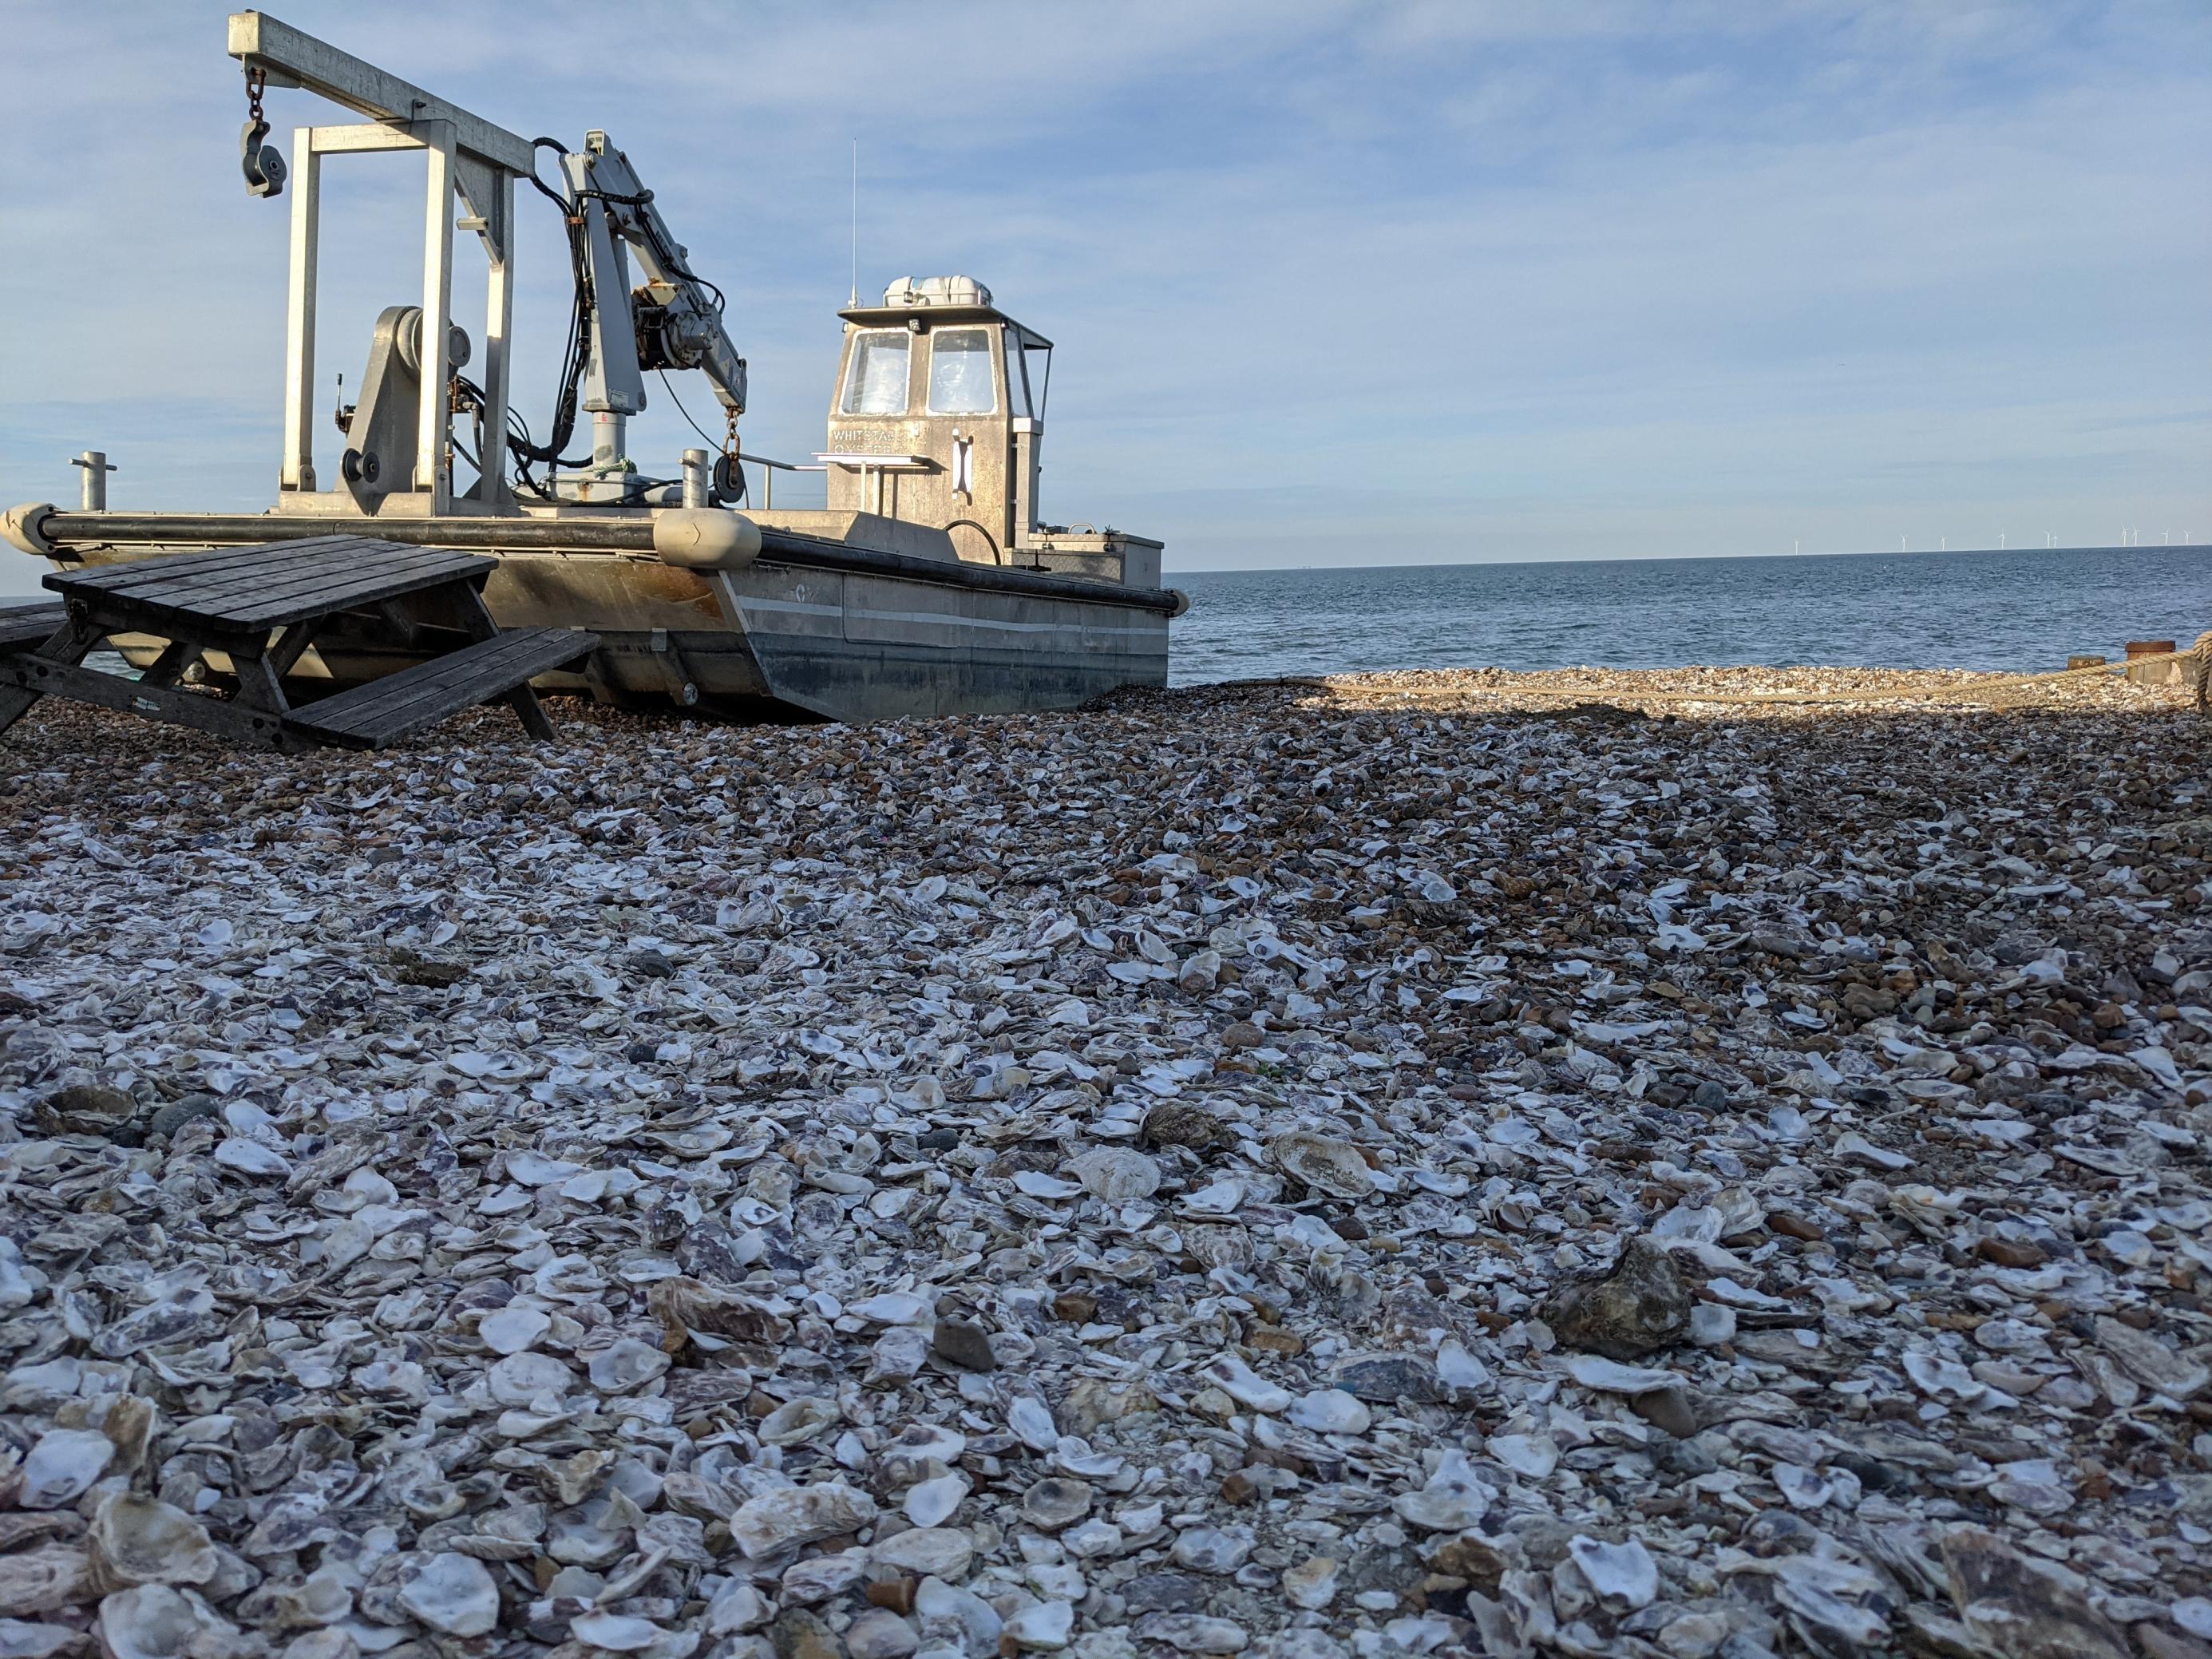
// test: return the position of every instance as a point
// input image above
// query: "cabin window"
(876, 383)
(960, 372)
(1017, 380)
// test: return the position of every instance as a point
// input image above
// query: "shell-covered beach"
(1426, 1163)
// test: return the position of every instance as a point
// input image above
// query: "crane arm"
(673, 319)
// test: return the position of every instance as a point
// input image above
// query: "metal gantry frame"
(465, 156)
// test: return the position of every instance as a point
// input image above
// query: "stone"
(1211, 1549)
(154, 1621)
(1052, 1504)
(2152, 1363)
(1623, 1574)
(1173, 1123)
(2020, 1608)
(930, 1503)
(966, 1621)
(1191, 1632)
(1312, 1584)
(1331, 1410)
(959, 1342)
(880, 1633)
(1389, 1379)
(797, 1633)
(452, 1594)
(1333, 1167)
(928, 1552)
(1043, 1628)
(61, 1467)
(799, 1515)
(137, 1539)
(1117, 1174)
(1453, 1499)
(1244, 1385)
(1635, 1308)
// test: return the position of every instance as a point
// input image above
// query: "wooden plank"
(420, 696)
(257, 684)
(65, 647)
(373, 568)
(256, 597)
(165, 567)
(524, 698)
(23, 625)
(167, 668)
(391, 707)
(489, 668)
(30, 675)
(239, 589)
(293, 644)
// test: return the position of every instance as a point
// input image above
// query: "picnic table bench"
(261, 607)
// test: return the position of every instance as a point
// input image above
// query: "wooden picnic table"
(261, 607)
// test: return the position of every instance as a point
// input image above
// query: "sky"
(1331, 284)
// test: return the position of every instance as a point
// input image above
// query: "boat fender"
(705, 538)
(21, 527)
(1182, 602)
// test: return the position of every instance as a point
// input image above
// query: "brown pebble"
(896, 1594)
(1075, 1308)
(2011, 1252)
(959, 1342)
(1238, 1487)
(2160, 1642)
(1668, 1410)
(1791, 1226)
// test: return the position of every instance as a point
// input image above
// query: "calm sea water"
(2015, 612)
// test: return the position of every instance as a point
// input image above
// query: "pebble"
(1211, 1549)
(1053, 1503)
(1675, 1180)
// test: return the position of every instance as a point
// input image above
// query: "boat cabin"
(936, 420)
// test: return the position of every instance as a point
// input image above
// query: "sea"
(2017, 611)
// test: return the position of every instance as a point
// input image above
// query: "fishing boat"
(928, 583)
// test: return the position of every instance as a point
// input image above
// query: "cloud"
(1549, 273)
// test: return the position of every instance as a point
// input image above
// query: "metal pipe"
(695, 478)
(94, 493)
(593, 535)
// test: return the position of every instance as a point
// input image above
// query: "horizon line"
(1692, 558)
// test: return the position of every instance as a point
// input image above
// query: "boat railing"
(770, 468)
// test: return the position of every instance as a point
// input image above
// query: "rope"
(2202, 651)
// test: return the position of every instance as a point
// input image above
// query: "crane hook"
(263, 164)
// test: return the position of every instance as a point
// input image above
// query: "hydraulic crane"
(399, 437)
(673, 319)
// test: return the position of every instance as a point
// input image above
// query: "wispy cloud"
(1519, 280)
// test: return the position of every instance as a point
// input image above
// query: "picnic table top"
(247, 589)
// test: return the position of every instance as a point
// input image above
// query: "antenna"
(854, 303)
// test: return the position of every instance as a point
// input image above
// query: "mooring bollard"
(94, 495)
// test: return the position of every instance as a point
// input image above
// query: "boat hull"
(784, 641)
